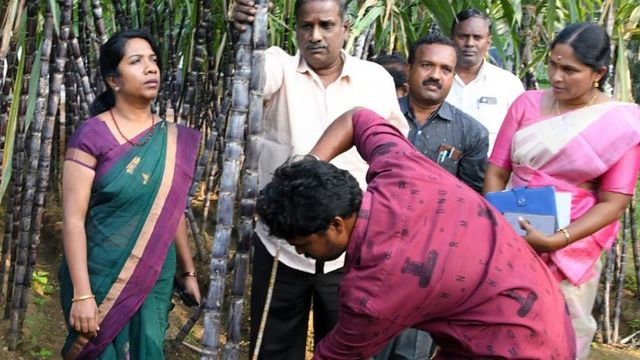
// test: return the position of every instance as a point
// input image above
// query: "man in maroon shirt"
(423, 251)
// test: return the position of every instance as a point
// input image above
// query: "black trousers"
(285, 335)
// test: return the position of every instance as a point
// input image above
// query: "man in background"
(439, 130)
(480, 89)
(397, 68)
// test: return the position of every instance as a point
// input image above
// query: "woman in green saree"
(125, 183)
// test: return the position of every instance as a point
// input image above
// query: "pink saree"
(570, 149)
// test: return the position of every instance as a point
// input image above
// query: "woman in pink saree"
(575, 138)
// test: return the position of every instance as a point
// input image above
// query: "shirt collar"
(444, 112)
(347, 67)
(482, 73)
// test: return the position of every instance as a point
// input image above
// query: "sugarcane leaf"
(362, 23)
(12, 122)
(537, 59)
(442, 13)
(366, 20)
(622, 88)
(55, 11)
(512, 10)
(33, 89)
(409, 32)
(551, 17)
(574, 14)
(634, 19)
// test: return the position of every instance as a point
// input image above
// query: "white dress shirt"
(487, 97)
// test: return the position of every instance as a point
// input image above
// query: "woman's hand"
(539, 241)
(83, 317)
(192, 288)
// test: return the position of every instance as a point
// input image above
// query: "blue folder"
(524, 200)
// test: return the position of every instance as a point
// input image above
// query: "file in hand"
(546, 224)
(527, 202)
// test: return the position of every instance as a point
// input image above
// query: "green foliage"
(40, 283)
(634, 325)
(42, 353)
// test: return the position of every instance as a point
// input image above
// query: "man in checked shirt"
(440, 131)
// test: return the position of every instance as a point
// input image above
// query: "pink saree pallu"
(568, 150)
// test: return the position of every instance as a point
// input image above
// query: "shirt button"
(419, 132)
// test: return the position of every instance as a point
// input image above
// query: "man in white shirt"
(303, 94)
(480, 89)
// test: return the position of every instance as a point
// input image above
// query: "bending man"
(423, 251)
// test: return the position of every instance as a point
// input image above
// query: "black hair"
(430, 39)
(387, 59)
(590, 44)
(111, 54)
(304, 196)
(399, 77)
(342, 5)
(467, 14)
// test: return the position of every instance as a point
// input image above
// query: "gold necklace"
(557, 103)
(140, 143)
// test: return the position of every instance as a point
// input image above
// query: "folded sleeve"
(374, 136)
(82, 147)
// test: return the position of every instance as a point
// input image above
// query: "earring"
(116, 89)
(596, 83)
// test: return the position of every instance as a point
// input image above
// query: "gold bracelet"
(189, 273)
(567, 236)
(83, 297)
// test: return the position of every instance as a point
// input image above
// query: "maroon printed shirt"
(428, 252)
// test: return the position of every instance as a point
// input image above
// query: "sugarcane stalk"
(148, 16)
(233, 156)
(27, 241)
(186, 328)
(192, 78)
(98, 20)
(368, 42)
(249, 185)
(210, 184)
(6, 97)
(57, 78)
(175, 100)
(85, 84)
(201, 165)
(122, 18)
(608, 278)
(620, 276)
(18, 260)
(168, 73)
(634, 244)
(528, 29)
(28, 52)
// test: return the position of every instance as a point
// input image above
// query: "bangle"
(189, 273)
(567, 236)
(83, 297)
(314, 156)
